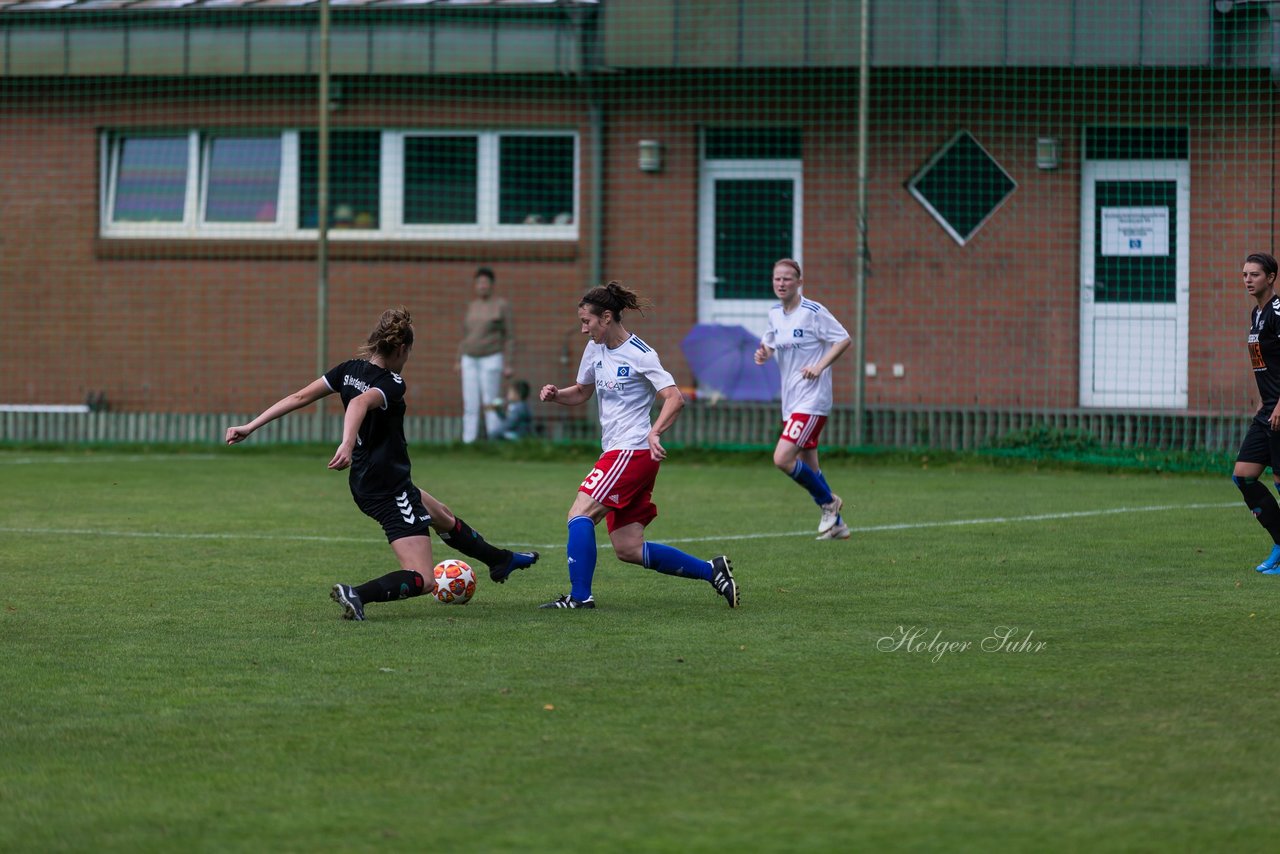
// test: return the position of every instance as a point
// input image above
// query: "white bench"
(45, 407)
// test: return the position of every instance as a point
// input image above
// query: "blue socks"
(671, 561)
(812, 481)
(661, 558)
(582, 556)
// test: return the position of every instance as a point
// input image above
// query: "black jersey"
(380, 461)
(1264, 351)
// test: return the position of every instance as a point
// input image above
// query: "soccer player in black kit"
(1261, 445)
(374, 448)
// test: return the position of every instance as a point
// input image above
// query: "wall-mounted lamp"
(650, 159)
(1047, 153)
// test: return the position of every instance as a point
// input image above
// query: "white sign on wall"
(1135, 231)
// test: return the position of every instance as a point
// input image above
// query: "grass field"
(174, 676)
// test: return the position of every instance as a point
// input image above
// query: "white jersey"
(626, 381)
(799, 339)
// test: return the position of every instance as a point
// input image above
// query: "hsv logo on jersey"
(797, 333)
(624, 370)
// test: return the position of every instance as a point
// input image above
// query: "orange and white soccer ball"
(455, 582)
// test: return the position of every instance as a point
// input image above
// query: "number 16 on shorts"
(803, 429)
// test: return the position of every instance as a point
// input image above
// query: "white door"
(749, 217)
(1134, 283)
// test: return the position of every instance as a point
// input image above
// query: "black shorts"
(400, 515)
(1261, 445)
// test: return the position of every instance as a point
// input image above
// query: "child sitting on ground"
(517, 423)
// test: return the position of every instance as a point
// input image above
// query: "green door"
(1134, 284)
(749, 217)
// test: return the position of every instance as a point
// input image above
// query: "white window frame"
(393, 188)
(111, 148)
(933, 161)
(488, 180)
(390, 191)
(288, 147)
(193, 224)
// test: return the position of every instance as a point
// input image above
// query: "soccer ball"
(455, 582)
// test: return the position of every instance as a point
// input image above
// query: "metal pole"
(595, 109)
(860, 274)
(322, 215)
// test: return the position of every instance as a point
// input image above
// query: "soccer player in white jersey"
(806, 338)
(627, 374)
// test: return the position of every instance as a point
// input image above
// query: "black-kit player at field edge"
(1261, 445)
(374, 448)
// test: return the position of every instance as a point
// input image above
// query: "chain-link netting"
(1033, 220)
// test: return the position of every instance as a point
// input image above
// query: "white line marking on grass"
(109, 458)
(991, 520)
(866, 529)
(179, 535)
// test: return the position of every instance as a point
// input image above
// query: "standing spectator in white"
(485, 355)
(806, 339)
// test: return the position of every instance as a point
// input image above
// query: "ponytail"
(615, 298)
(394, 330)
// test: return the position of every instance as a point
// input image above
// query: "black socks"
(1262, 503)
(401, 584)
(470, 543)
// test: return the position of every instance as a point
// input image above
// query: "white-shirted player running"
(627, 375)
(806, 338)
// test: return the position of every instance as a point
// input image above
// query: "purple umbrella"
(722, 359)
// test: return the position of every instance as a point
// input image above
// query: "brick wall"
(164, 326)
